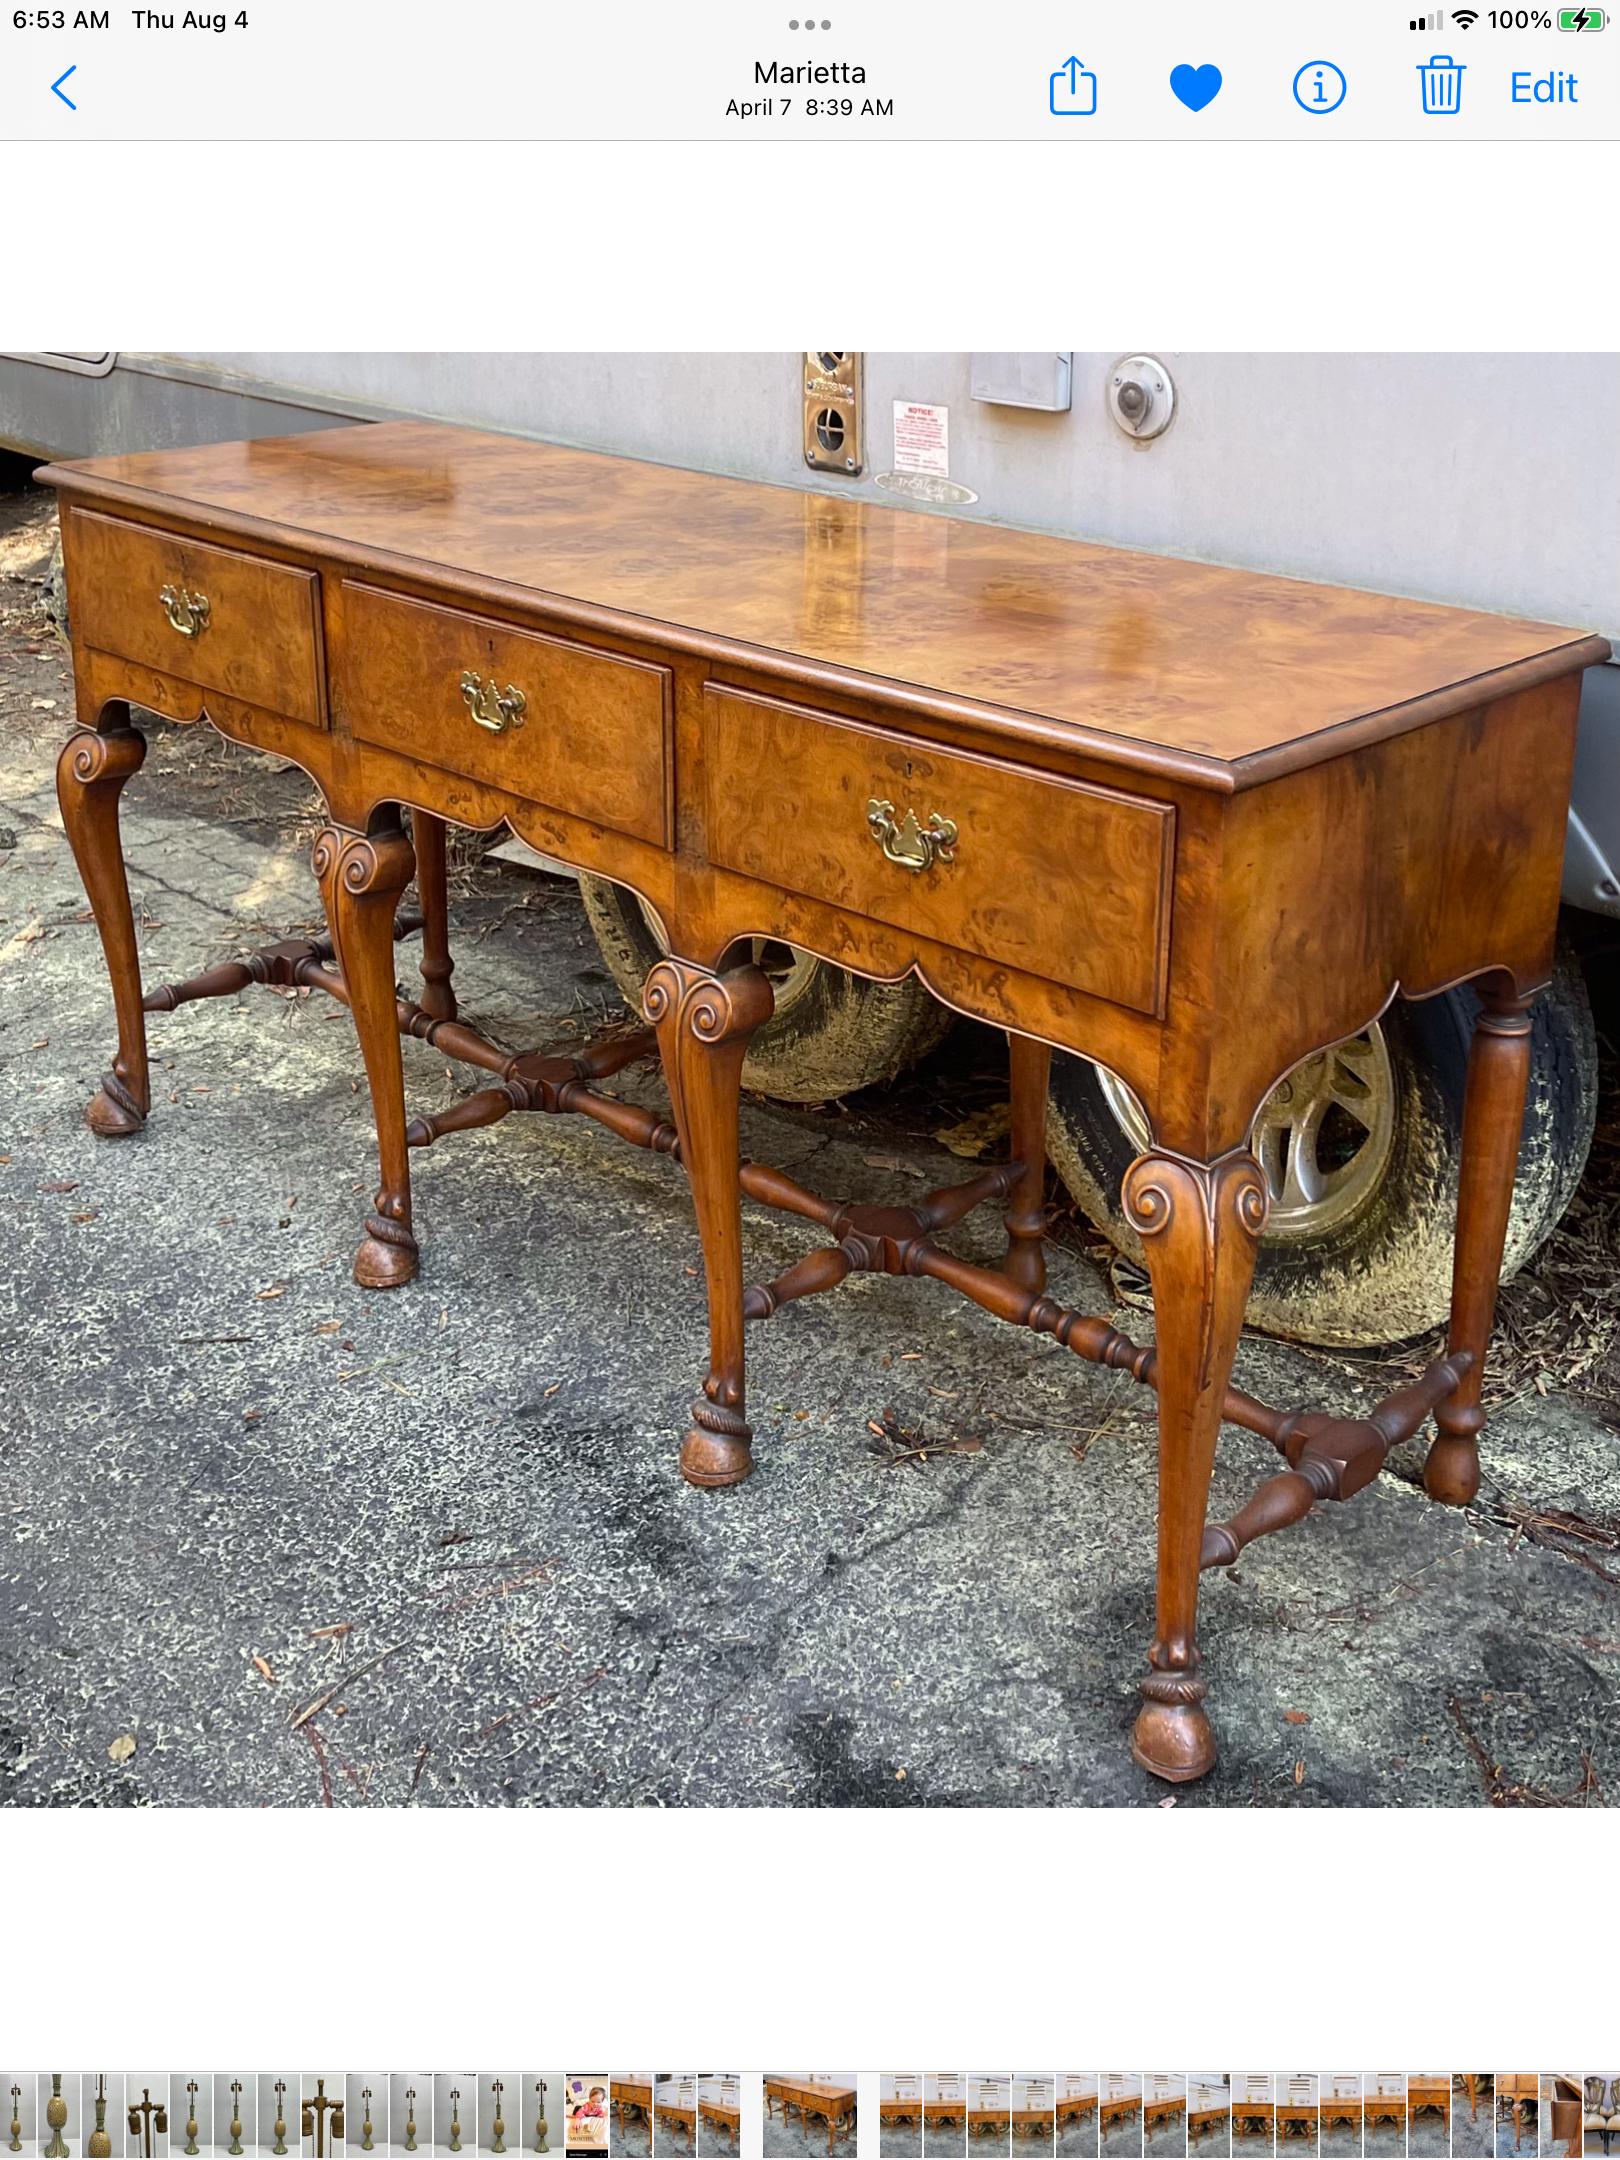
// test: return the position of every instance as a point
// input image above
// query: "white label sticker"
(922, 438)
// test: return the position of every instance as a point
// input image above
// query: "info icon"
(1320, 87)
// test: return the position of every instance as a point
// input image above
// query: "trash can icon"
(1441, 77)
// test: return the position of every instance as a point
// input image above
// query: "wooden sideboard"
(1164, 2109)
(1194, 823)
(1383, 2107)
(632, 2095)
(724, 2120)
(675, 2116)
(1202, 2120)
(1074, 2107)
(1116, 2108)
(814, 2100)
(1296, 2119)
(1432, 2093)
(1334, 2108)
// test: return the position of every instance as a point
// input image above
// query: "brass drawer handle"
(187, 611)
(492, 708)
(907, 843)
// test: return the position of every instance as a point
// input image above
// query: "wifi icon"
(1465, 18)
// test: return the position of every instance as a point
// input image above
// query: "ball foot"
(1175, 1744)
(112, 1112)
(1173, 1737)
(387, 1257)
(1451, 1473)
(712, 1457)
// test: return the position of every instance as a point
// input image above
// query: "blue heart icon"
(1195, 86)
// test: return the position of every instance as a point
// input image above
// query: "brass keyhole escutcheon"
(905, 841)
(188, 612)
(492, 707)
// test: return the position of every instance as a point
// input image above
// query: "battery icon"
(1581, 18)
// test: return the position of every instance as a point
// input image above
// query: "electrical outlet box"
(833, 433)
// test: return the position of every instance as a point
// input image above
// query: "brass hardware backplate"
(490, 706)
(906, 842)
(188, 612)
(833, 434)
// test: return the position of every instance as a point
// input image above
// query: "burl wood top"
(1224, 675)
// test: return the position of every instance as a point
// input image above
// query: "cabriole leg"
(90, 776)
(1199, 1225)
(704, 1022)
(1493, 1121)
(1030, 1066)
(361, 877)
(427, 832)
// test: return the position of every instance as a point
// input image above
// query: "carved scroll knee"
(91, 774)
(361, 877)
(1199, 1225)
(704, 1022)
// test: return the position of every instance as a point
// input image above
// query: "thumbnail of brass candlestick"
(235, 2146)
(191, 2119)
(99, 2143)
(497, 2137)
(540, 2144)
(16, 2119)
(365, 2122)
(455, 2118)
(280, 2123)
(410, 2118)
(56, 2116)
(315, 2118)
(145, 2116)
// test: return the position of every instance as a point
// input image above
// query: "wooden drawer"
(260, 641)
(1048, 875)
(593, 736)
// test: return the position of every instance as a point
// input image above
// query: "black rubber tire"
(832, 1034)
(1383, 1274)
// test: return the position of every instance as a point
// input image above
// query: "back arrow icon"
(61, 93)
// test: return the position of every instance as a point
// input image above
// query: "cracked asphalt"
(269, 1540)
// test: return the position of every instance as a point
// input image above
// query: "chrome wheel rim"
(1324, 1135)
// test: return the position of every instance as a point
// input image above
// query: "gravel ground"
(268, 1540)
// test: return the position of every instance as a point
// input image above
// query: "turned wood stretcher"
(1194, 823)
